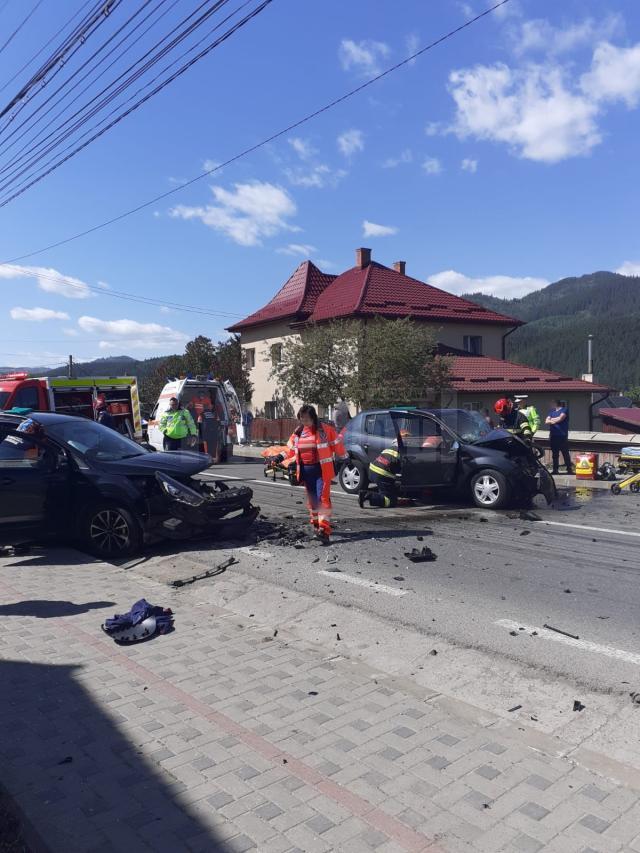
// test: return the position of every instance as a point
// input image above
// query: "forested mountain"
(561, 316)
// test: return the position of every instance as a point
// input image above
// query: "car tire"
(490, 489)
(353, 477)
(110, 532)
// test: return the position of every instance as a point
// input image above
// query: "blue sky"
(501, 160)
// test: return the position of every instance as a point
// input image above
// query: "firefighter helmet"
(503, 406)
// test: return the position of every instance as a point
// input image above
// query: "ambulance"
(215, 408)
(76, 397)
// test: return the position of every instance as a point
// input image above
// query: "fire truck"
(75, 397)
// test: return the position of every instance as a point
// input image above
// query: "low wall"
(268, 431)
(607, 444)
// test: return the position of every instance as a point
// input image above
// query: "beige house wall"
(262, 338)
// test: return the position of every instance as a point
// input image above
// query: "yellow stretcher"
(632, 481)
(629, 464)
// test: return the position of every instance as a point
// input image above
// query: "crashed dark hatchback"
(74, 479)
(451, 449)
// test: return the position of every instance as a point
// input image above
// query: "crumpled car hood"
(500, 439)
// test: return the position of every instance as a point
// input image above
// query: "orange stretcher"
(286, 468)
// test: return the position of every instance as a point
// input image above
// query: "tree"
(398, 364)
(152, 384)
(378, 362)
(199, 356)
(318, 365)
(230, 363)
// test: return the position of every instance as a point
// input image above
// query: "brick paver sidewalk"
(221, 736)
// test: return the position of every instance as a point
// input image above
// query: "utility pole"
(70, 367)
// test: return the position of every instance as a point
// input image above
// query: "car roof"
(410, 410)
(43, 418)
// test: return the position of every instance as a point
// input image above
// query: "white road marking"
(584, 645)
(378, 587)
(586, 527)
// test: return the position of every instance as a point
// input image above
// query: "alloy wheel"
(109, 531)
(487, 490)
(351, 477)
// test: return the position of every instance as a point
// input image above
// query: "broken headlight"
(178, 491)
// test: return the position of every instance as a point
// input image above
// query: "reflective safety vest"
(531, 414)
(330, 450)
(177, 424)
(387, 464)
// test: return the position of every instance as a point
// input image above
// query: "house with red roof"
(472, 335)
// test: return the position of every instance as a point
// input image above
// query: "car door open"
(429, 451)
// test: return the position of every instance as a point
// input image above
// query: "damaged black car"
(446, 449)
(73, 479)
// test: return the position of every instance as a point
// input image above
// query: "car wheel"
(489, 489)
(616, 489)
(353, 477)
(110, 532)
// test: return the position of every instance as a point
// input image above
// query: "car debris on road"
(421, 555)
(142, 622)
(210, 573)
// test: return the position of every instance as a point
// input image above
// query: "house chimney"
(400, 266)
(363, 258)
(588, 376)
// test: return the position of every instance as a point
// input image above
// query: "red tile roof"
(377, 290)
(484, 374)
(374, 290)
(296, 299)
(625, 415)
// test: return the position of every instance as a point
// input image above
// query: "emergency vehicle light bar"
(14, 376)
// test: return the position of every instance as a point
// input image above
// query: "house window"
(472, 344)
(250, 358)
(276, 353)
(472, 407)
(270, 409)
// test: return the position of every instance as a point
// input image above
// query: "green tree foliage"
(375, 363)
(561, 316)
(318, 365)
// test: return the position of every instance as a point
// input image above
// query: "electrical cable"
(21, 25)
(44, 46)
(93, 136)
(277, 135)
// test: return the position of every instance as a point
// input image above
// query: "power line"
(44, 46)
(20, 26)
(262, 143)
(185, 67)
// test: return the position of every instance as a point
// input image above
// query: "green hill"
(561, 316)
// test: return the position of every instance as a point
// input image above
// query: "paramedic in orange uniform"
(315, 447)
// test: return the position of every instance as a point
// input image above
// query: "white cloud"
(372, 229)
(435, 128)
(302, 147)
(211, 165)
(37, 314)
(351, 141)
(71, 333)
(614, 74)
(629, 268)
(544, 112)
(469, 165)
(136, 335)
(405, 156)
(363, 56)
(538, 34)
(531, 110)
(49, 280)
(317, 176)
(164, 309)
(304, 249)
(504, 286)
(413, 46)
(245, 214)
(432, 166)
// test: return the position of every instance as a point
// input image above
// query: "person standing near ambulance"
(175, 424)
(316, 447)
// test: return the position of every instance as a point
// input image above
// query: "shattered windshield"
(469, 426)
(94, 441)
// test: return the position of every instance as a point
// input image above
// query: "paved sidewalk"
(224, 737)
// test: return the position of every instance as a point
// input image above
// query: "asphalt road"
(577, 569)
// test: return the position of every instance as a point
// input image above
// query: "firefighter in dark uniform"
(382, 472)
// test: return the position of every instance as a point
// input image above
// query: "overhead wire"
(44, 46)
(21, 25)
(99, 131)
(256, 146)
(4, 147)
(136, 72)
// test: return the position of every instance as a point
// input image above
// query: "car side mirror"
(455, 446)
